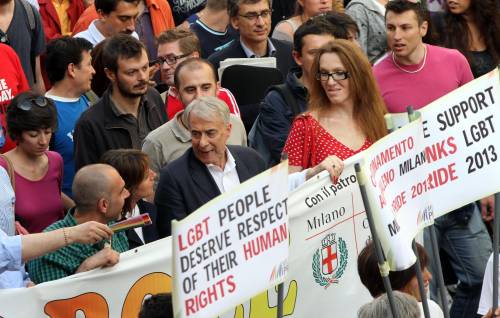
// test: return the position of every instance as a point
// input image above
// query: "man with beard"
(128, 109)
(116, 16)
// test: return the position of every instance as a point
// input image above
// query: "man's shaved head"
(92, 183)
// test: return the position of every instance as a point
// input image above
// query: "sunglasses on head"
(28, 103)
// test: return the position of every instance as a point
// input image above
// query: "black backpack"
(255, 139)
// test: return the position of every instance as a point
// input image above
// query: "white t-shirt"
(94, 36)
(434, 309)
(486, 301)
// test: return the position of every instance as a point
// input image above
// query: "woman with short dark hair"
(31, 120)
(133, 167)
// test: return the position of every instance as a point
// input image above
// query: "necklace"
(410, 72)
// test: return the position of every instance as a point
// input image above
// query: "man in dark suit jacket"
(205, 170)
(150, 232)
(253, 20)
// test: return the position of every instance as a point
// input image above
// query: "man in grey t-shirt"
(23, 27)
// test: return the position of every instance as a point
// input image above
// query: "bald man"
(99, 194)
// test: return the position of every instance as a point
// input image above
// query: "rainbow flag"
(131, 223)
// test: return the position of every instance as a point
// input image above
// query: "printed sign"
(233, 247)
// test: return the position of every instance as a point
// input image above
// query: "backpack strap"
(28, 9)
(29, 13)
(10, 171)
(91, 97)
(287, 95)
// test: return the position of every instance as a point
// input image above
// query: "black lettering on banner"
(472, 105)
(424, 127)
(394, 228)
(189, 283)
(478, 131)
(481, 159)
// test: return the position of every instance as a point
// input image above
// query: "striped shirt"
(7, 201)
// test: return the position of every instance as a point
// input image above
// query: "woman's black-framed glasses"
(336, 76)
(28, 103)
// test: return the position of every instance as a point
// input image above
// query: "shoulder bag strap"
(10, 171)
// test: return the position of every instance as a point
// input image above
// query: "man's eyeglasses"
(170, 59)
(253, 16)
(28, 103)
(336, 76)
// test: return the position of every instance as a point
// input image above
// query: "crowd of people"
(114, 108)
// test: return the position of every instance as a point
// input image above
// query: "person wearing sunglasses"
(345, 112)
(31, 121)
(252, 18)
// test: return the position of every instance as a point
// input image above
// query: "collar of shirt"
(250, 54)
(96, 36)
(180, 132)
(225, 179)
(380, 8)
(119, 112)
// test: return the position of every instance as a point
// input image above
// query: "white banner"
(233, 247)
(442, 161)
(113, 292)
(316, 285)
(328, 229)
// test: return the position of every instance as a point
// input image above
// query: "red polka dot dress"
(308, 143)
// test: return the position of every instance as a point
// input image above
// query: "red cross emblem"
(329, 259)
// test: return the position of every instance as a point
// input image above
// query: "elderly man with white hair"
(211, 167)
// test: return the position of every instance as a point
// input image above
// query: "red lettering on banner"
(265, 241)
(398, 202)
(390, 154)
(440, 149)
(442, 176)
(381, 198)
(195, 234)
(210, 295)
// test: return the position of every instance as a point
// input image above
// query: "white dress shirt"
(228, 178)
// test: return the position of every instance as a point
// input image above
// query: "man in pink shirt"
(175, 46)
(415, 74)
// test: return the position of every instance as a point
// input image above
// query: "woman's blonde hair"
(369, 107)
